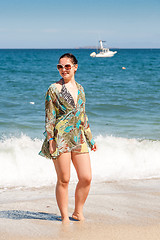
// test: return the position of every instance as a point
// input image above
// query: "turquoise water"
(123, 107)
(120, 103)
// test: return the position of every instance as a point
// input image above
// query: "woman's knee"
(64, 181)
(86, 180)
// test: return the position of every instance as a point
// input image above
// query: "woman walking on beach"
(67, 136)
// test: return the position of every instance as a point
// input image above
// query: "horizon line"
(77, 48)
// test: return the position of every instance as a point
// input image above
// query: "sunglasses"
(67, 66)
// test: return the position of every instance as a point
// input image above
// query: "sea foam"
(116, 159)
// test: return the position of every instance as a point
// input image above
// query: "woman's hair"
(71, 57)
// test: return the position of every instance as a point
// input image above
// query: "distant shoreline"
(78, 48)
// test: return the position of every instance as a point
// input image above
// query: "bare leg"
(82, 165)
(62, 166)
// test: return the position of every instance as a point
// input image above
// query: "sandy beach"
(114, 210)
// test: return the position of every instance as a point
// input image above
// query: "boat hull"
(103, 55)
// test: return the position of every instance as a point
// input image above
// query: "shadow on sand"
(18, 215)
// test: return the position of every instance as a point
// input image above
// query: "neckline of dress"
(63, 84)
(59, 92)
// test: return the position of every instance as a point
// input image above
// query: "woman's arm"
(50, 119)
(87, 130)
(88, 134)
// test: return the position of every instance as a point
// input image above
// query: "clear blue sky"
(71, 24)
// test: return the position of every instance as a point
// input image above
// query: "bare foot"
(78, 216)
(65, 220)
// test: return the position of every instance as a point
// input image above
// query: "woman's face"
(67, 74)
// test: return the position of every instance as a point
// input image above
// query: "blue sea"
(123, 107)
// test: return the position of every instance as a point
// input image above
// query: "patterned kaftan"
(66, 122)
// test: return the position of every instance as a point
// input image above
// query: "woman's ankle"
(65, 219)
(78, 216)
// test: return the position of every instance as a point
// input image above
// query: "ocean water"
(123, 106)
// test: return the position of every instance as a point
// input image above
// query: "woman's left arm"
(87, 130)
(88, 134)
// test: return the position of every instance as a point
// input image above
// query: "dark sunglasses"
(67, 66)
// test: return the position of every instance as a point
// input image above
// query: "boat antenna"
(101, 44)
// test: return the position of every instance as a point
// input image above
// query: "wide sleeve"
(87, 130)
(50, 112)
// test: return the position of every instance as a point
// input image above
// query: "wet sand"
(113, 211)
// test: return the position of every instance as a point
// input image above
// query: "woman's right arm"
(50, 119)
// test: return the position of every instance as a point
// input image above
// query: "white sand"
(113, 211)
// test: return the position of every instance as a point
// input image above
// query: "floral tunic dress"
(66, 122)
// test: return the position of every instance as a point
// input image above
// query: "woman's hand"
(52, 146)
(94, 147)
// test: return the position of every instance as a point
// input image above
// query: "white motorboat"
(103, 52)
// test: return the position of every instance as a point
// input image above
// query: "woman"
(68, 133)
